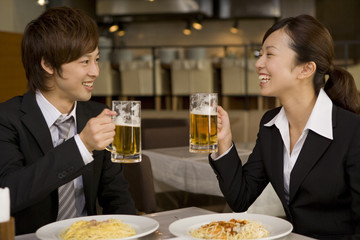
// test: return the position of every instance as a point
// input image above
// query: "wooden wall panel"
(12, 75)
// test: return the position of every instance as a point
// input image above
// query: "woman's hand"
(224, 131)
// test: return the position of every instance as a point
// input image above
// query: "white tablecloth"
(178, 169)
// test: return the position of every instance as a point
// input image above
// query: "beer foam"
(136, 110)
(204, 111)
(133, 122)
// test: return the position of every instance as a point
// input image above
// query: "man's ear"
(308, 69)
(46, 67)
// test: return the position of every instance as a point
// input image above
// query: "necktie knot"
(63, 126)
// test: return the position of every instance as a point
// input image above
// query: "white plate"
(142, 225)
(276, 226)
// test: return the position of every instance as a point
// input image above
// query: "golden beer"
(127, 143)
(203, 133)
(126, 146)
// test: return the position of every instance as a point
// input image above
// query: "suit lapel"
(35, 122)
(314, 147)
(277, 162)
(82, 116)
(81, 119)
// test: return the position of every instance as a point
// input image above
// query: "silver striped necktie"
(67, 208)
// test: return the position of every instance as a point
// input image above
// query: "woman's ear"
(46, 67)
(308, 69)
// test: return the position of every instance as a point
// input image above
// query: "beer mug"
(126, 147)
(203, 122)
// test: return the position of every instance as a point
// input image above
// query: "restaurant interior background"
(150, 58)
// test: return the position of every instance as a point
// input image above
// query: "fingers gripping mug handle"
(110, 148)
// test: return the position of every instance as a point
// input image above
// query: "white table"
(177, 169)
(165, 219)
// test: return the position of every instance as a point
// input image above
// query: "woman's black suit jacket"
(324, 183)
(33, 169)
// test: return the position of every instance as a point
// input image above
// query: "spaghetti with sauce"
(230, 230)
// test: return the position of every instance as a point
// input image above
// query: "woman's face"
(276, 66)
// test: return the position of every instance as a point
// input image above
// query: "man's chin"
(84, 98)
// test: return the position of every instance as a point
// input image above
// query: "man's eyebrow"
(89, 55)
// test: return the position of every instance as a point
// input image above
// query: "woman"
(308, 149)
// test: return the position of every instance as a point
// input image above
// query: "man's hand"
(99, 131)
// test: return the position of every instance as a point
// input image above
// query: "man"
(60, 56)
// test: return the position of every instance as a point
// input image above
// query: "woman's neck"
(298, 110)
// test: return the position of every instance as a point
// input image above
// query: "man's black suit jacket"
(324, 183)
(33, 169)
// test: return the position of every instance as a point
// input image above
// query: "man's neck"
(61, 104)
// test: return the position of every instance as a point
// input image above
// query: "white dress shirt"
(320, 121)
(51, 114)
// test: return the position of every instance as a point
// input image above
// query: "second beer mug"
(203, 122)
(126, 147)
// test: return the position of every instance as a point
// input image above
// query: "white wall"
(16, 14)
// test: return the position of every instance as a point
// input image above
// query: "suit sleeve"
(241, 185)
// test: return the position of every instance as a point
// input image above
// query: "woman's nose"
(94, 69)
(259, 63)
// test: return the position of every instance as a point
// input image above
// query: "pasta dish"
(230, 230)
(99, 230)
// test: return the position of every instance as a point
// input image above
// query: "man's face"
(77, 78)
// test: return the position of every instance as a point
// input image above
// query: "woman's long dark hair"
(312, 42)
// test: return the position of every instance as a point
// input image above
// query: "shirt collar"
(49, 111)
(320, 120)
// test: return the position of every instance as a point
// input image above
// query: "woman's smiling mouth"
(264, 78)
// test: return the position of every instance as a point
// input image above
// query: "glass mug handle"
(110, 147)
